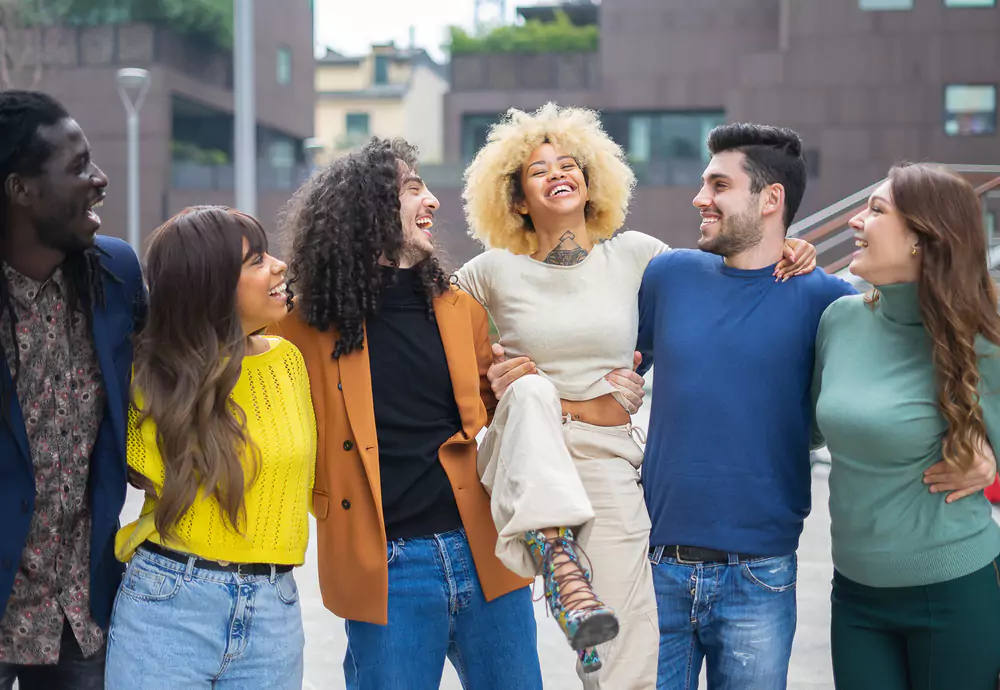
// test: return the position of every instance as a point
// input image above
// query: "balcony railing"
(828, 229)
(577, 71)
(190, 175)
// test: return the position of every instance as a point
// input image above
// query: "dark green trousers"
(944, 636)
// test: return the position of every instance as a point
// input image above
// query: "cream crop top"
(576, 323)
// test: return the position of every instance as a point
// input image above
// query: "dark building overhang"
(579, 13)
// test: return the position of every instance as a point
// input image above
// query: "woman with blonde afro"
(546, 195)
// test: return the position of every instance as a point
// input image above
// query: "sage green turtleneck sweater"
(876, 406)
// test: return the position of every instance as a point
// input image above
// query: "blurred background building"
(186, 125)
(866, 83)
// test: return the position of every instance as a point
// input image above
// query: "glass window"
(284, 65)
(970, 110)
(381, 69)
(970, 3)
(357, 124)
(659, 136)
(474, 130)
(873, 5)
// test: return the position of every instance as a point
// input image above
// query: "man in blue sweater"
(726, 473)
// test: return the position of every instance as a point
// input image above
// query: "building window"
(356, 130)
(970, 110)
(381, 69)
(970, 3)
(474, 130)
(659, 136)
(811, 158)
(879, 5)
(284, 70)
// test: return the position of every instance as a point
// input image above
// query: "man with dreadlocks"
(397, 360)
(69, 300)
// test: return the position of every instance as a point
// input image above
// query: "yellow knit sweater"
(273, 391)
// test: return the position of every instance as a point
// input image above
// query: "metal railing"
(201, 176)
(828, 229)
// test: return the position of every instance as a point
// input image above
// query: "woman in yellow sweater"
(222, 427)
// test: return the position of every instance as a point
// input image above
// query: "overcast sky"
(351, 26)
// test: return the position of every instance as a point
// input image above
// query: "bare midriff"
(602, 411)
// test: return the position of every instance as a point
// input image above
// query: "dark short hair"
(772, 155)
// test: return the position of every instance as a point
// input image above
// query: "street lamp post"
(244, 116)
(133, 84)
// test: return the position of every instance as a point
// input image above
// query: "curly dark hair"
(340, 223)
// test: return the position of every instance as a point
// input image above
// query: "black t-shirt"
(415, 411)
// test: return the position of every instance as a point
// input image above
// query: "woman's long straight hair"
(189, 356)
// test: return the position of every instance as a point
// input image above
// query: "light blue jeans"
(740, 616)
(177, 626)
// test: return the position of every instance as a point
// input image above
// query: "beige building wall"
(385, 119)
(423, 113)
(341, 78)
(410, 105)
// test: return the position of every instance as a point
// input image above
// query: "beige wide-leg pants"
(546, 471)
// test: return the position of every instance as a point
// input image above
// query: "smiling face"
(553, 184)
(730, 212)
(885, 245)
(61, 200)
(416, 214)
(261, 294)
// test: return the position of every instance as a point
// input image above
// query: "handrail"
(839, 267)
(827, 228)
(852, 202)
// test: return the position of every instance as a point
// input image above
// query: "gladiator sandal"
(590, 660)
(585, 620)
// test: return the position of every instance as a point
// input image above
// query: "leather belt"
(696, 554)
(242, 569)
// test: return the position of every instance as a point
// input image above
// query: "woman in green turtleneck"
(906, 377)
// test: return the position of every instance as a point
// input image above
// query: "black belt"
(238, 568)
(696, 554)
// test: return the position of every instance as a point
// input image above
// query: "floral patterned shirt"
(61, 395)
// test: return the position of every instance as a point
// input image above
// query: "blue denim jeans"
(437, 610)
(739, 615)
(177, 626)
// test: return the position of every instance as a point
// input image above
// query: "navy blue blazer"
(122, 315)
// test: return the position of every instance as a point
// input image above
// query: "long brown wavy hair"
(958, 300)
(188, 360)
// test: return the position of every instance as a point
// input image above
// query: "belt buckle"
(677, 555)
(239, 570)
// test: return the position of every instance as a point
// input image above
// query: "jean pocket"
(391, 552)
(285, 587)
(775, 575)
(147, 582)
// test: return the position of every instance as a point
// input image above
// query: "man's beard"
(413, 253)
(738, 233)
(54, 229)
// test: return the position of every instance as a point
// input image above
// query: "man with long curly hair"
(69, 301)
(397, 360)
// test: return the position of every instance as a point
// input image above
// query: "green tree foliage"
(534, 36)
(210, 20)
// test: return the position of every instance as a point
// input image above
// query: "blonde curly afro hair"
(490, 179)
